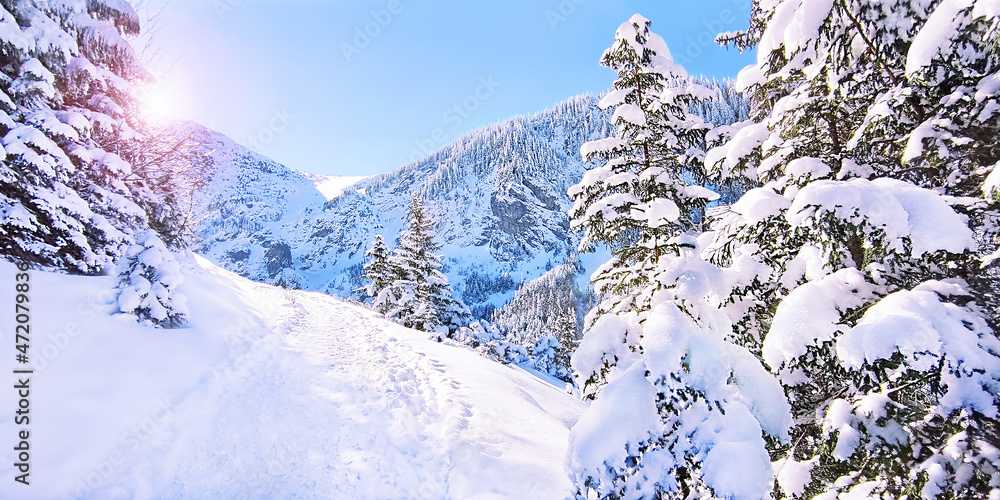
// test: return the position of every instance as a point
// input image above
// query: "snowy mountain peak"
(498, 196)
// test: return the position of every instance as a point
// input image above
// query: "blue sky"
(359, 87)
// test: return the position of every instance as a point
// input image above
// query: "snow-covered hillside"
(498, 196)
(271, 393)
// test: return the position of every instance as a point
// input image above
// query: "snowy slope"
(249, 206)
(497, 194)
(334, 186)
(271, 393)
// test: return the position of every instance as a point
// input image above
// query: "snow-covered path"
(308, 397)
(440, 421)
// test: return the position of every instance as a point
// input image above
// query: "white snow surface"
(270, 394)
(333, 186)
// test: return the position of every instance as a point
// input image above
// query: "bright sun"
(158, 102)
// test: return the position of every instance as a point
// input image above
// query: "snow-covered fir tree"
(59, 188)
(567, 334)
(421, 297)
(68, 77)
(545, 353)
(380, 275)
(642, 196)
(858, 263)
(677, 406)
(147, 283)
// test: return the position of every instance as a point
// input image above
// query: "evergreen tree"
(873, 139)
(490, 342)
(544, 353)
(423, 296)
(380, 274)
(54, 176)
(148, 279)
(638, 200)
(68, 196)
(641, 196)
(677, 406)
(567, 334)
(550, 304)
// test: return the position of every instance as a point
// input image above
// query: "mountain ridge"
(498, 195)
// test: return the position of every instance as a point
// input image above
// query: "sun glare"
(159, 102)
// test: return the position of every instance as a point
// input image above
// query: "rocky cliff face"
(498, 196)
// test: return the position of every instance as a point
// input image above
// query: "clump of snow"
(658, 212)
(793, 24)
(807, 167)
(589, 149)
(793, 476)
(607, 342)
(900, 209)
(808, 264)
(839, 418)
(759, 204)
(811, 314)
(614, 98)
(726, 158)
(749, 76)
(696, 192)
(630, 113)
(925, 330)
(936, 34)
